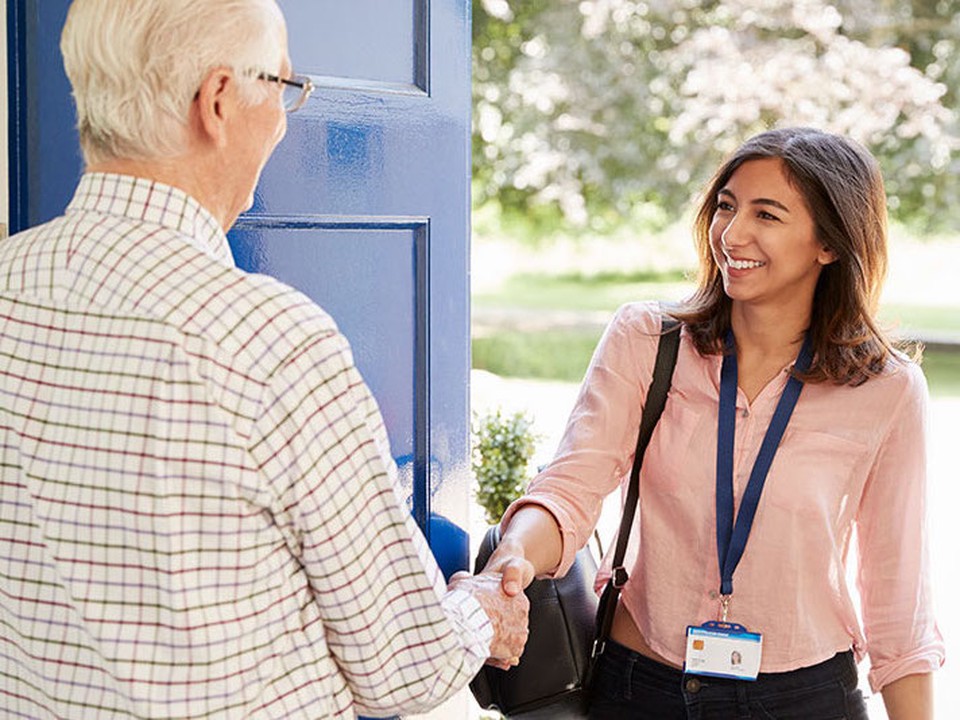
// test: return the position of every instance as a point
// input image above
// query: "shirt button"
(714, 594)
(746, 412)
(693, 685)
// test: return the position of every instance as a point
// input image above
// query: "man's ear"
(216, 101)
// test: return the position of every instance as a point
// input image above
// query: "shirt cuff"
(472, 626)
(921, 661)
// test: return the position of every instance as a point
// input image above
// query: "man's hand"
(509, 615)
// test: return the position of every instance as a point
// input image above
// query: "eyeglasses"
(296, 89)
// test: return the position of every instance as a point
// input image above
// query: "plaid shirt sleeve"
(398, 638)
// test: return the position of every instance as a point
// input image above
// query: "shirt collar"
(152, 202)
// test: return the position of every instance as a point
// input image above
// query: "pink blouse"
(851, 463)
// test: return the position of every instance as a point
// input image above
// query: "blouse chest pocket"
(816, 474)
(680, 458)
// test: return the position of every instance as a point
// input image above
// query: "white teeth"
(743, 264)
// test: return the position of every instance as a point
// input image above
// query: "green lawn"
(943, 372)
(608, 291)
(548, 355)
(563, 354)
(923, 320)
(575, 292)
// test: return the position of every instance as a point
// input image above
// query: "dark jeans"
(629, 686)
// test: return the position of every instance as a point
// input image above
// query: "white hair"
(136, 65)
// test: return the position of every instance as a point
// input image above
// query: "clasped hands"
(499, 590)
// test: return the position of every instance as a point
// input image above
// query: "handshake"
(499, 590)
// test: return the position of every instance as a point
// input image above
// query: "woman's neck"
(767, 342)
(768, 331)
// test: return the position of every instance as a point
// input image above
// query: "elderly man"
(198, 509)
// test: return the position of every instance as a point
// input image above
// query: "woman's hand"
(509, 560)
(529, 546)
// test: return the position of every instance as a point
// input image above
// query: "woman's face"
(764, 240)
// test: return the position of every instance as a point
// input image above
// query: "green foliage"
(503, 447)
(585, 112)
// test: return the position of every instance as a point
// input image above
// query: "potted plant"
(503, 445)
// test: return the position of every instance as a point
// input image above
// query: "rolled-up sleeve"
(598, 444)
(894, 577)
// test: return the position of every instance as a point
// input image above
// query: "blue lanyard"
(731, 540)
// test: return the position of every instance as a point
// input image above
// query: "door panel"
(363, 40)
(372, 179)
(383, 320)
(364, 206)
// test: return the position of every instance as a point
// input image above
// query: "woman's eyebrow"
(758, 201)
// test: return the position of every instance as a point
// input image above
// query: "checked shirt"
(198, 508)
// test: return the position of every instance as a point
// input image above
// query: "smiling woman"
(764, 240)
(832, 212)
(788, 405)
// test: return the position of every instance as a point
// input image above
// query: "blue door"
(364, 207)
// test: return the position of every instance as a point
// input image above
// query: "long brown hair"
(841, 184)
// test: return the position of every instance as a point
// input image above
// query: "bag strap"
(667, 349)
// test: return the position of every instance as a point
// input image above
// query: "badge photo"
(720, 649)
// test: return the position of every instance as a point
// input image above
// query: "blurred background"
(596, 123)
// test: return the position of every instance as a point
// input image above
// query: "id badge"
(721, 649)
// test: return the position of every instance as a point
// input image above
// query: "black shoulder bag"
(568, 627)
